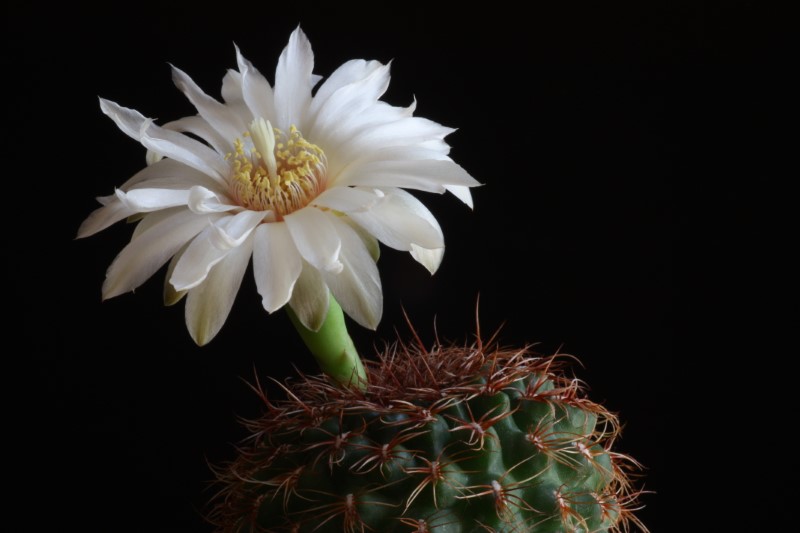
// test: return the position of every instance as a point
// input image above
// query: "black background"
(579, 121)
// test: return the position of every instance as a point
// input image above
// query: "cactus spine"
(451, 439)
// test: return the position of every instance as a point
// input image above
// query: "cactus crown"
(470, 438)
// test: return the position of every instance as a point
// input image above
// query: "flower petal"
(293, 81)
(208, 305)
(379, 128)
(196, 261)
(145, 254)
(430, 259)
(315, 238)
(357, 287)
(256, 90)
(213, 112)
(157, 170)
(170, 295)
(367, 134)
(170, 174)
(146, 200)
(349, 101)
(276, 264)
(148, 220)
(186, 150)
(427, 175)
(310, 298)
(202, 200)
(166, 142)
(348, 199)
(232, 233)
(400, 220)
(349, 72)
(462, 193)
(370, 242)
(103, 217)
(128, 120)
(211, 246)
(412, 152)
(198, 126)
(232, 85)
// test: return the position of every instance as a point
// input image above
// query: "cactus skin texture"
(450, 439)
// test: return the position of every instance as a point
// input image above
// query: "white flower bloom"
(303, 183)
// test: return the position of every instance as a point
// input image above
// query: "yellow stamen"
(282, 173)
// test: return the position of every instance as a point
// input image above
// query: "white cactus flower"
(303, 182)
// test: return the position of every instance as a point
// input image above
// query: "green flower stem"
(333, 348)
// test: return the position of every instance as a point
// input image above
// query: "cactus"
(448, 439)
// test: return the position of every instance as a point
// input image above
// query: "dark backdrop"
(573, 118)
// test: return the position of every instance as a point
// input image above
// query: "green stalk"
(333, 348)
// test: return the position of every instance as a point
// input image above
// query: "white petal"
(128, 120)
(202, 200)
(234, 230)
(413, 204)
(211, 246)
(276, 264)
(338, 145)
(146, 200)
(400, 153)
(380, 127)
(315, 238)
(212, 111)
(293, 81)
(256, 90)
(170, 295)
(208, 306)
(186, 150)
(310, 298)
(370, 242)
(348, 199)
(400, 220)
(103, 217)
(349, 101)
(148, 220)
(429, 175)
(349, 72)
(462, 193)
(145, 254)
(166, 142)
(232, 86)
(437, 145)
(195, 263)
(430, 259)
(197, 125)
(151, 157)
(388, 153)
(168, 174)
(372, 134)
(357, 287)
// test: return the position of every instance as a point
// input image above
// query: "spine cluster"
(448, 439)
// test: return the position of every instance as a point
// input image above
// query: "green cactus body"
(444, 440)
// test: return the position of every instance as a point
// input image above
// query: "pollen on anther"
(280, 176)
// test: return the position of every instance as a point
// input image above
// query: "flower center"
(282, 172)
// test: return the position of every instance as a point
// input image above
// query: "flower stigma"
(281, 173)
